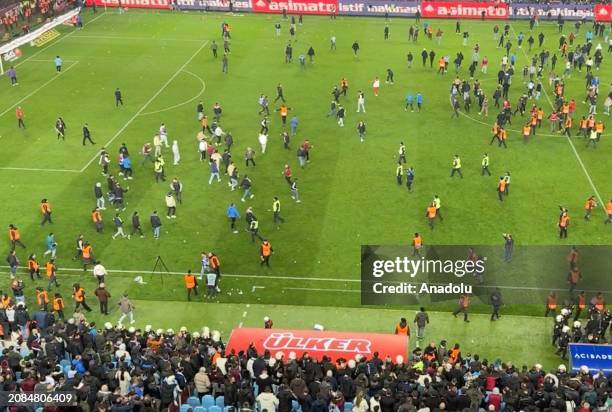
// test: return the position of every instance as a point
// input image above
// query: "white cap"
(577, 324)
(292, 355)
(159, 331)
(205, 332)
(71, 321)
(399, 359)
(170, 331)
(318, 327)
(266, 318)
(215, 336)
(559, 318)
(358, 357)
(538, 366)
(148, 328)
(352, 364)
(279, 355)
(183, 329)
(565, 329)
(272, 362)
(195, 334)
(108, 325)
(565, 312)
(561, 368)
(584, 369)
(132, 329)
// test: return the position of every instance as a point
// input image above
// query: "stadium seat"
(208, 401)
(199, 409)
(228, 408)
(348, 407)
(193, 401)
(185, 408)
(215, 409)
(220, 401)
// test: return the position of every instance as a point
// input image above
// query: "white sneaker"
(252, 196)
(132, 322)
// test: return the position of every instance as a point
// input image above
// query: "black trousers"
(82, 304)
(104, 308)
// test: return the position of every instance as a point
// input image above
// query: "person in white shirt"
(267, 400)
(99, 272)
(157, 143)
(376, 86)
(202, 148)
(163, 135)
(171, 205)
(263, 142)
(219, 133)
(360, 102)
(176, 155)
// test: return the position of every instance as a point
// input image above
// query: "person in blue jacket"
(232, 214)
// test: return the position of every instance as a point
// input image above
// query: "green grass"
(348, 191)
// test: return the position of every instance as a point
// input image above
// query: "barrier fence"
(426, 9)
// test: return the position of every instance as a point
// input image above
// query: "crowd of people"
(128, 369)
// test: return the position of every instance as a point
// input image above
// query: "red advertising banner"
(464, 10)
(135, 4)
(603, 12)
(324, 7)
(318, 343)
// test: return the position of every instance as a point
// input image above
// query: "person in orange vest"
(501, 188)
(464, 304)
(215, 265)
(15, 237)
(430, 214)
(42, 298)
(551, 304)
(402, 327)
(33, 267)
(5, 300)
(599, 128)
(51, 272)
(265, 251)
(573, 277)
(191, 284)
(417, 244)
(284, 112)
(563, 223)
(58, 305)
(609, 212)
(87, 255)
(454, 355)
(567, 126)
(45, 209)
(572, 257)
(78, 293)
(598, 302)
(589, 205)
(20, 115)
(580, 304)
(96, 218)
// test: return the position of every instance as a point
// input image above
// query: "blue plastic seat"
(199, 409)
(215, 408)
(208, 401)
(220, 401)
(185, 408)
(193, 401)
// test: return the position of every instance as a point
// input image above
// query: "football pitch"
(163, 64)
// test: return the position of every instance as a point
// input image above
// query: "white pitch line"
(148, 102)
(38, 88)
(202, 82)
(60, 39)
(51, 60)
(586, 173)
(29, 169)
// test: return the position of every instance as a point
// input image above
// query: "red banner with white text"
(603, 12)
(135, 4)
(318, 343)
(464, 10)
(323, 7)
